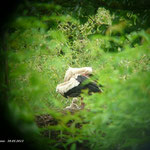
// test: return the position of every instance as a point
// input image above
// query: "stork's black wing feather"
(93, 87)
(81, 79)
(76, 91)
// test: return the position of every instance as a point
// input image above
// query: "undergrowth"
(44, 39)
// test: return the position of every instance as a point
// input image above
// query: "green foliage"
(47, 38)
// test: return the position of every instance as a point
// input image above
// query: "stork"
(75, 81)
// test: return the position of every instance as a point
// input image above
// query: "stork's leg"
(82, 103)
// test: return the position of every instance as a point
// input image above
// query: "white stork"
(74, 83)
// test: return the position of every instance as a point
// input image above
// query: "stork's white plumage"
(66, 86)
(73, 72)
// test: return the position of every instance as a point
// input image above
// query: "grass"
(38, 58)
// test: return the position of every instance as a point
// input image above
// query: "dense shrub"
(45, 38)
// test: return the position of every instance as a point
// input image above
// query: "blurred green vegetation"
(44, 38)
